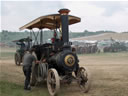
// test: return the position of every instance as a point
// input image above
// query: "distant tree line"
(7, 37)
(88, 33)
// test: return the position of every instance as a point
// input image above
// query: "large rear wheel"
(33, 78)
(34, 68)
(53, 82)
(84, 79)
(17, 59)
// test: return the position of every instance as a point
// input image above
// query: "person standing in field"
(27, 65)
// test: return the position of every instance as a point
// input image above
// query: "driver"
(22, 44)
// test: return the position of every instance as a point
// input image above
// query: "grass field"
(109, 76)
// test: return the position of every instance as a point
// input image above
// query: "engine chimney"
(64, 24)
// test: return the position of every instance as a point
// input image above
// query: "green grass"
(4, 55)
(12, 89)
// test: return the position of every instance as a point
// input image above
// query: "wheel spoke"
(83, 79)
(53, 82)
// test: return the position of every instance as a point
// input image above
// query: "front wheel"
(84, 79)
(53, 82)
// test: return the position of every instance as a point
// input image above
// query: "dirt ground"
(109, 72)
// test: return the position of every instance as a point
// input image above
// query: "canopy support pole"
(35, 36)
(31, 37)
(41, 36)
(41, 33)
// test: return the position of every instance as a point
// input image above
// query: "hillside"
(6, 37)
(116, 36)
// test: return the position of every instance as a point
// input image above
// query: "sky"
(95, 15)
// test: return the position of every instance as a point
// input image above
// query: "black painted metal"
(35, 36)
(30, 38)
(65, 29)
(41, 36)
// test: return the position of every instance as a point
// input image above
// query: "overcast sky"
(95, 15)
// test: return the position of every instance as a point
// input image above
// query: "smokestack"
(64, 24)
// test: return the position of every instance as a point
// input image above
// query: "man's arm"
(18, 43)
(35, 60)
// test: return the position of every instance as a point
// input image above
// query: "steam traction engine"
(18, 57)
(58, 60)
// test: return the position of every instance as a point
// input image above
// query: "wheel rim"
(17, 60)
(83, 79)
(53, 82)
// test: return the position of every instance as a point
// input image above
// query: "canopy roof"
(23, 40)
(49, 21)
